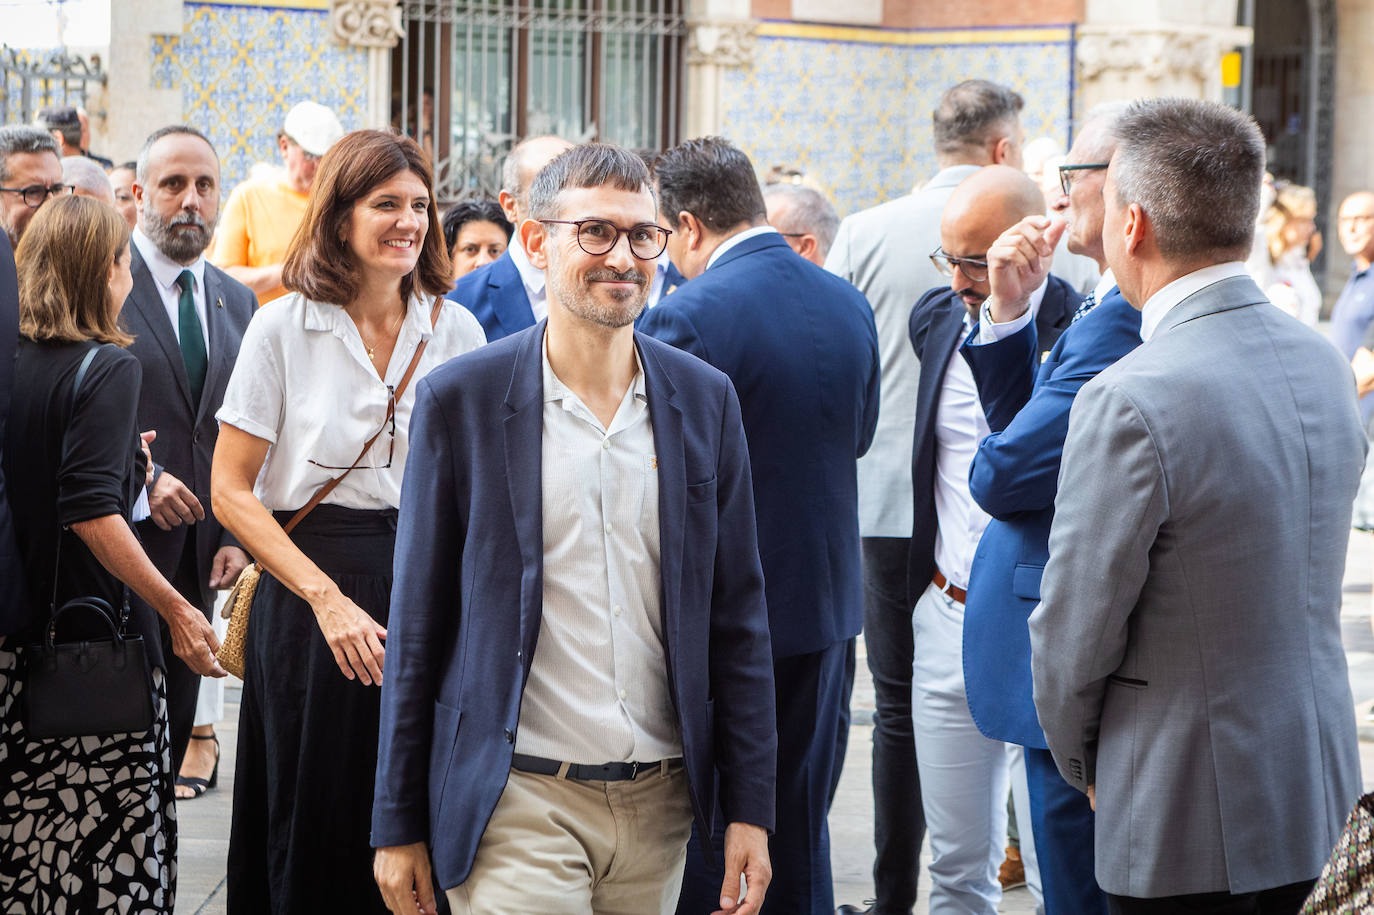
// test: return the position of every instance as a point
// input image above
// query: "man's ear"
(534, 235)
(807, 246)
(507, 201)
(1137, 227)
(691, 229)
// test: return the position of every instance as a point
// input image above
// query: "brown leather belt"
(941, 582)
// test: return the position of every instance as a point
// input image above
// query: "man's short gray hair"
(171, 130)
(23, 138)
(972, 114)
(807, 212)
(87, 175)
(589, 165)
(1099, 126)
(1195, 168)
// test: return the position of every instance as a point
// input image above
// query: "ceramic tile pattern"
(240, 69)
(856, 115)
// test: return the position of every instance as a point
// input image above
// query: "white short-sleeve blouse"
(304, 383)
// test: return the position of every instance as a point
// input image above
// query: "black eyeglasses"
(973, 268)
(35, 194)
(1066, 171)
(389, 426)
(599, 236)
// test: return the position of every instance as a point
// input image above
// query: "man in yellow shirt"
(262, 213)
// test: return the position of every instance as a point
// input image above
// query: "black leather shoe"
(855, 910)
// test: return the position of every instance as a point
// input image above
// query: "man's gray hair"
(513, 164)
(23, 138)
(87, 175)
(141, 166)
(807, 212)
(973, 114)
(1099, 127)
(1195, 168)
(589, 165)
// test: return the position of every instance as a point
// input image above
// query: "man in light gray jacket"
(1187, 654)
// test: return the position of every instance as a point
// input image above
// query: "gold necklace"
(372, 350)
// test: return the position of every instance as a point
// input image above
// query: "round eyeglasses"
(35, 194)
(599, 236)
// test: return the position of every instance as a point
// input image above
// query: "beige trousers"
(559, 847)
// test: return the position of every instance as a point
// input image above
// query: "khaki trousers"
(560, 846)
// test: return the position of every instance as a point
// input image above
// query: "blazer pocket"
(1025, 580)
(444, 739)
(1128, 682)
(701, 492)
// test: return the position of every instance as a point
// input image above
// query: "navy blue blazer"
(936, 328)
(467, 597)
(1014, 477)
(496, 295)
(14, 609)
(801, 348)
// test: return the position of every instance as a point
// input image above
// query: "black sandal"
(197, 785)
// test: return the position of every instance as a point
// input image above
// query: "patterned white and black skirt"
(87, 824)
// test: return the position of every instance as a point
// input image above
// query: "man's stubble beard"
(581, 302)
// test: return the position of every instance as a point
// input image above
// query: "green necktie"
(192, 340)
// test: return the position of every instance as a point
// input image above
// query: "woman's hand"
(194, 641)
(353, 636)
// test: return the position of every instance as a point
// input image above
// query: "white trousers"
(210, 699)
(964, 775)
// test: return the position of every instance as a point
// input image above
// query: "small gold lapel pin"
(219, 303)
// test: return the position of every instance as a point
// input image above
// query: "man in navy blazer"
(1015, 477)
(964, 775)
(13, 610)
(800, 346)
(576, 566)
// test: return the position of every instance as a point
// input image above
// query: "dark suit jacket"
(467, 598)
(14, 611)
(496, 295)
(185, 433)
(1015, 477)
(800, 346)
(936, 328)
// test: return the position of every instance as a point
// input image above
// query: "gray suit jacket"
(1187, 649)
(186, 433)
(883, 252)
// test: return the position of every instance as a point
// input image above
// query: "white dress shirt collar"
(736, 239)
(1171, 295)
(1104, 285)
(531, 276)
(554, 389)
(165, 270)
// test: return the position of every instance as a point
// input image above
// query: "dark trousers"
(183, 684)
(1281, 900)
(809, 690)
(1062, 827)
(842, 732)
(899, 822)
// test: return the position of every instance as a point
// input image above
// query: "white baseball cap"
(314, 127)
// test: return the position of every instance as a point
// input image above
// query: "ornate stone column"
(375, 25)
(721, 36)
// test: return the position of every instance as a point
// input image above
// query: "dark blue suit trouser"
(1062, 826)
(811, 692)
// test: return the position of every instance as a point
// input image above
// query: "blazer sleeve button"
(510, 736)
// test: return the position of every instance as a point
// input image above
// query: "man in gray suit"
(187, 318)
(882, 252)
(1187, 653)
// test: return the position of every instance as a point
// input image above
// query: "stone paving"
(204, 823)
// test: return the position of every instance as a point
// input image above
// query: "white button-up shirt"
(737, 238)
(304, 383)
(165, 271)
(1171, 295)
(598, 685)
(532, 278)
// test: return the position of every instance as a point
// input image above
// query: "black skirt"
(307, 750)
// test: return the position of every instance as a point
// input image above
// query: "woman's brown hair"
(319, 264)
(64, 262)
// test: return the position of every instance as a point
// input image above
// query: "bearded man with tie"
(187, 318)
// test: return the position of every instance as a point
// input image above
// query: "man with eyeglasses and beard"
(187, 318)
(30, 173)
(964, 774)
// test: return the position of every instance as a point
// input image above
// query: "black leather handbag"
(86, 687)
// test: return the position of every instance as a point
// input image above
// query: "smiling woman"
(324, 371)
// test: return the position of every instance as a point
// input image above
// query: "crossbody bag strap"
(329, 486)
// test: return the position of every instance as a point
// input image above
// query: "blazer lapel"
(216, 325)
(509, 300)
(523, 441)
(666, 418)
(147, 302)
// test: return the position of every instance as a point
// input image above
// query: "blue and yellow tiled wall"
(241, 65)
(852, 106)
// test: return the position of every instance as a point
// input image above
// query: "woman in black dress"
(86, 823)
(318, 373)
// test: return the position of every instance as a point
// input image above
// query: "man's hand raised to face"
(1018, 263)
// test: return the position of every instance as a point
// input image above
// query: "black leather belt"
(606, 772)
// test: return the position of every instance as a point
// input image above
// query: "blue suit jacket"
(936, 327)
(468, 596)
(1014, 477)
(496, 295)
(800, 346)
(14, 609)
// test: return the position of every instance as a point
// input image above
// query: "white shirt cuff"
(989, 332)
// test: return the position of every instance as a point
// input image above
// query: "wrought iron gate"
(30, 81)
(470, 77)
